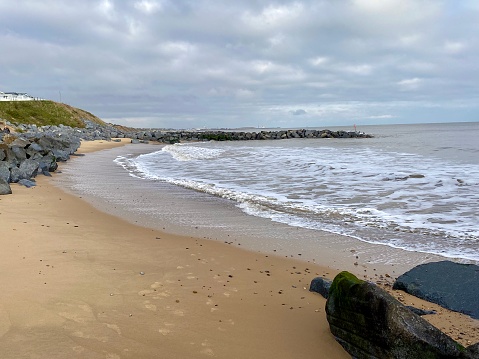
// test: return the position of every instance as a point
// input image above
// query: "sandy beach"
(80, 283)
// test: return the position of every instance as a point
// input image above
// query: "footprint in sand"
(179, 313)
(164, 331)
(153, 290)
(114, 327)
(230, 322)
(206, 350)
(155, 285)
(150, 306)
(80, 334)
(77, 312)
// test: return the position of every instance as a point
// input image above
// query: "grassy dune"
(42, 113)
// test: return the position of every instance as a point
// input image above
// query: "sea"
(409, 189)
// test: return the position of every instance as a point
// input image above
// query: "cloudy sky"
(212, 63)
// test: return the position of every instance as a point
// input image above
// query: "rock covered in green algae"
(370, 323)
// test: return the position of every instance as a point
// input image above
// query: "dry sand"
(79, 283)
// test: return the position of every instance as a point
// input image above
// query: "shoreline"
(74, 284)
(179, 210)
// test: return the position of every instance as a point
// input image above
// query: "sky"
(211, 63)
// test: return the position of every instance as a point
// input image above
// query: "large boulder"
(48, 163)
(4, 187)
(451, 285)
(26, 170)
(474, 350)
(61, 155)
(19, 152)
(20, 142)
(4, 171)
(370, 323)
(321, 285)
(8, 155)
(34, 151)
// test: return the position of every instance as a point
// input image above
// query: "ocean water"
(412, 187)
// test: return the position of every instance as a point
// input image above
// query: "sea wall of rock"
(24, 155)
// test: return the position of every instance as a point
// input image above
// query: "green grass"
(43, 113)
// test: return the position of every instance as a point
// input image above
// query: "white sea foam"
(190, 153)
(404, 200)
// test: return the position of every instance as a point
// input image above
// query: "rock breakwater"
(217, 135)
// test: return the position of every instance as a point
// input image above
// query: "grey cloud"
(298, 112)
(184, 63)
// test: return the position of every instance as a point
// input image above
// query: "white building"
(15, 96)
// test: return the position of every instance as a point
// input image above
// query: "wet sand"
(80, 283)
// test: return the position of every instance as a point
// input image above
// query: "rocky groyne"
(219, 135)
(32, 149)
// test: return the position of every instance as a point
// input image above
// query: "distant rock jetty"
(207, 135)
(32, 149)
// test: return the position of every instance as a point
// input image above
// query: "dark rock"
(20, 142)
(48, 163)
(419, 311)
(61, 155)
(370, 323)
(19, 153)
(35, 147)
(452, 285)
(320, 285)
(474, 350)
(27, 170)
(27, 183)
(34, 151)
(4, 187)
(9, 155)
(4, 171)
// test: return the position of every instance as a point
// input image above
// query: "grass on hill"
(44, 113)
